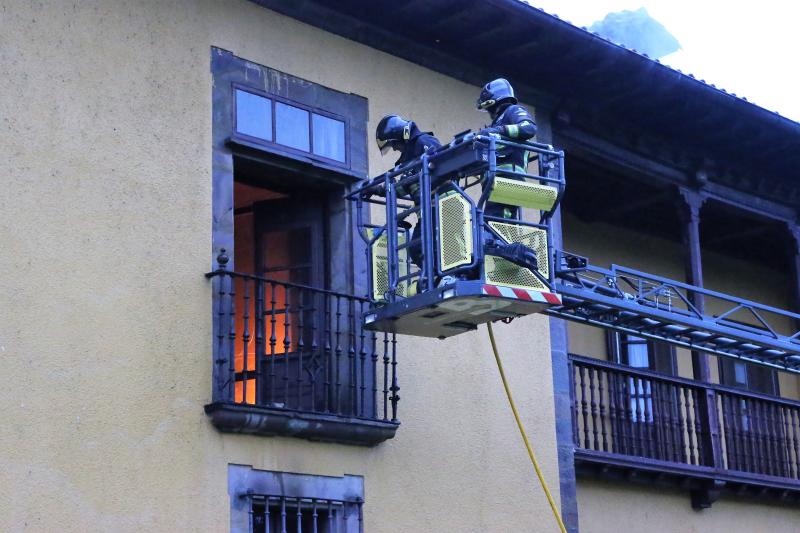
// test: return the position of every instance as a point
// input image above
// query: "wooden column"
(794, 266)
(690, 205)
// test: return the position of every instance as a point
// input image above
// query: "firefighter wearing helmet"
(401, 135)
(509, 120)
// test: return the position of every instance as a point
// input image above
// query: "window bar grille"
(221, 312)
(363, 357)
(246, 340)
(395, 386)
(386, 378)
(300, 347)
(272, 341)
(328, 361)
(351, 356)
(260, 352)
(232, 339)
(338, 351)
(374, 373)
(314, 351)
(286, 346)
(287, 342)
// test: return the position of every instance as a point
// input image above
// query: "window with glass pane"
(253, 115)
(639, 389)
(291, 127)
(328, 137)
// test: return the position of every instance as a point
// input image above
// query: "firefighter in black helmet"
(511, 121)
(401, 135)
(396, 133)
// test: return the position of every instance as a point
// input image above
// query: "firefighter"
(511, 121)
(401, 135)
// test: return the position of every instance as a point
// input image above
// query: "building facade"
(183, 282)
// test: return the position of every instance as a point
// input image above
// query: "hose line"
(524, 435)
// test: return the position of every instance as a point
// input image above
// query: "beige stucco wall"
(105, 327)
(615, 507)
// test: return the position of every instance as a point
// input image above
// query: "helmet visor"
(484, 104)
(383, 145)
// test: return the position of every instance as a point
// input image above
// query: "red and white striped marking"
(522, 294)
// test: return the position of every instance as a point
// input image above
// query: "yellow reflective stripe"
(513, 130)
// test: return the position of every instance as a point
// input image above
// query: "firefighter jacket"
(419, 143)
(515, 123)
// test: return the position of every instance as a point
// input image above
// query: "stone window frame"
(345, 246)
(229, 73)
(246, 482)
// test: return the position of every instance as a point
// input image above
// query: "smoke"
(639, 31)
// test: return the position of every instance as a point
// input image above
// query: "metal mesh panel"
(523, 193)
(455, 231)
(502, 272)
(380, 266)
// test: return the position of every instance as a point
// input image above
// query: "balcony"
(639, 425)
(292, 360)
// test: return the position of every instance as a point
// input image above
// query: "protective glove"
(492, 130)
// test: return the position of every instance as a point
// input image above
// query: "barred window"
(293, 515)
(281, 502)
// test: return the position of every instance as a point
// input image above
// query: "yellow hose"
(524, 435)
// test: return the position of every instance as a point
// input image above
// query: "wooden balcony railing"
(630, 416)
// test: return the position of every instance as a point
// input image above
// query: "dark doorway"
(290, 240)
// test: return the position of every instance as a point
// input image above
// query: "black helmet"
(392, 131)
(495, 92)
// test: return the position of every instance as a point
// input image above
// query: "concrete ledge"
(237, 418)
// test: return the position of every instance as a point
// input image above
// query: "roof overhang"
(560, 67)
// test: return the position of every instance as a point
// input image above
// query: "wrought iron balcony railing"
(293, 360)
(634, 420)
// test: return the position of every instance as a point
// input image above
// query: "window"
(291, 126)
(253, 115)
(642, 353)
(264, 501)
(743, 375)
(328, 137)
(755, 378)
(638, 352)
(289, 356)
(296, 126)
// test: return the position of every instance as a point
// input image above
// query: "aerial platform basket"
(448, 276)
(457, 308)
